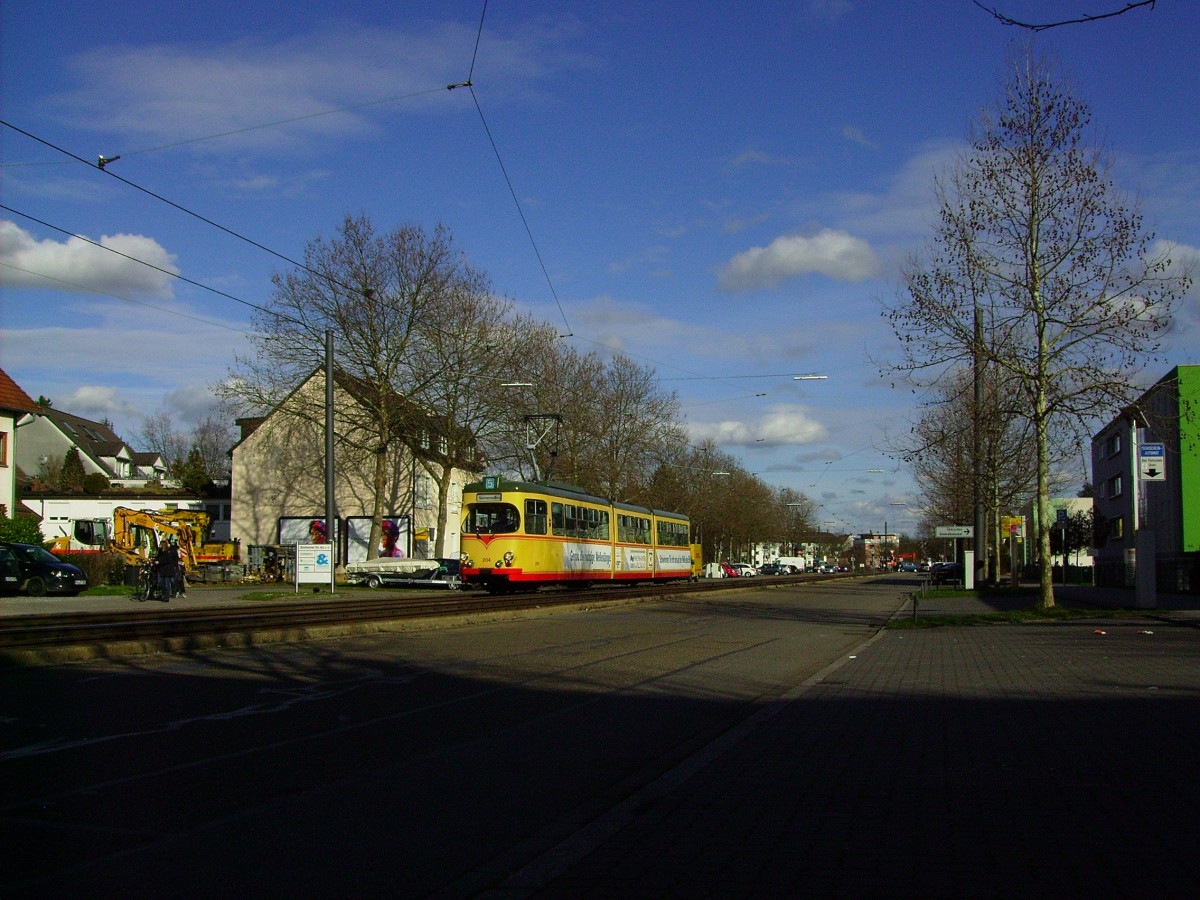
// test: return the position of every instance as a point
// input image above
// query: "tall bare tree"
(952, 468)
(1033, 233)
(392, 301)
(201, 453)
(158, 434)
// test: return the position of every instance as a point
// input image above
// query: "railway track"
(29, 638)
(41, 632)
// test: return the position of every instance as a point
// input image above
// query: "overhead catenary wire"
(104, 160)
(178, 206)
(275, 313)
(140, 262)
(103, 165)
(83, 288)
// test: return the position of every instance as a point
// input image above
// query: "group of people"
(167, 570)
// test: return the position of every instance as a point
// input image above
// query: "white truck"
(799, 563)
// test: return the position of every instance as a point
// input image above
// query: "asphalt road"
(436, 762)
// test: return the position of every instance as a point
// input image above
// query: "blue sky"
(724, 191)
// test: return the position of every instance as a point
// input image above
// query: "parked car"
(946, 573)
(907, 566)
(10, 572)
(773, 569)
(745, 569)
(41, 572)
(730, 570)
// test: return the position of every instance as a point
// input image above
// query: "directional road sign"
(955, 531)
(1153, 461)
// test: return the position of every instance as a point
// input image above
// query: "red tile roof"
(12, 397)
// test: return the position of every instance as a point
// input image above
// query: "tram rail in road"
(37, 638)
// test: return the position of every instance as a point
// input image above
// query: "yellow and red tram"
(521, 535)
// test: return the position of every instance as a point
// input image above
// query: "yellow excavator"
(206, 551)
(137, 535)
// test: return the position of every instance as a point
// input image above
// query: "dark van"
(41, 572)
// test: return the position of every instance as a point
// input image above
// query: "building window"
(1114, 486)
(1116, 528)
(1113, 446)
(3, 448)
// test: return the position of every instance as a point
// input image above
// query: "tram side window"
(598, 524)
(633, 529)
(565, 519)
(672, 534)
(535, 516)
(569, 520)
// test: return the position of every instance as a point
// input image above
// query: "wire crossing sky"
(723, 192)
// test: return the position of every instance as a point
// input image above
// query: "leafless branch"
(1042, 26)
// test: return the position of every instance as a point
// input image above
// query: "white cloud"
(76, 265)
(855, 134)
(1183, 336)
(97, 402)
(835, 254)
(1185, 260)
(783, 425)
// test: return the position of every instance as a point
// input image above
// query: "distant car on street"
(907, 566)
(774, 569)
(745, 569)
(41, 572)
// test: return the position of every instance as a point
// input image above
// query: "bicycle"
(145, 587)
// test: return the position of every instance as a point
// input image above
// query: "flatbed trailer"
(377, 573)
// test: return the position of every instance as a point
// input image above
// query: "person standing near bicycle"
(166, 570)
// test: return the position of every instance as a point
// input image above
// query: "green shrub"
(94, 483)
(100, 568)
(21, 530)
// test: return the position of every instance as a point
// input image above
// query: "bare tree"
(211, 440)
(158, 434)
(391, 302)
(1034, 234)
(952, 468)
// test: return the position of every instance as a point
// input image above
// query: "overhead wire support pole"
(330, 482)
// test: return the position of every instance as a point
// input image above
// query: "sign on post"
(314, 564)
(1153, 461)
(955, 531)
(1013, 526)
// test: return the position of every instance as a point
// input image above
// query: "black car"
(41, 572)
(10, 572)
(947, 573)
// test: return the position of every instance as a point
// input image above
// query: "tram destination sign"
(955, 531)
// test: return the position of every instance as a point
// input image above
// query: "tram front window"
(491, 518)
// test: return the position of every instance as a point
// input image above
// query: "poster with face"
(394, 541)
(306, 530)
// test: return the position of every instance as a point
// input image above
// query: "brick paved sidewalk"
(989, 761)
